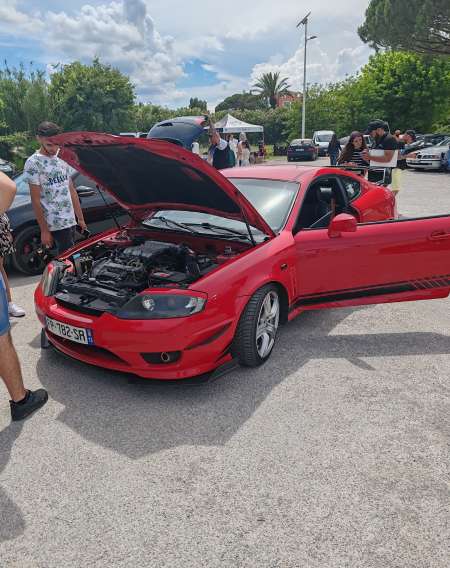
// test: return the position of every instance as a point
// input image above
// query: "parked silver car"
(432, 158)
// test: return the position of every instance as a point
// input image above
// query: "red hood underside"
(148, 175)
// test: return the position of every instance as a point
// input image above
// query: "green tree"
(198, 103)
(242, 101)
(271, 86)
(24, 100)
(406, 90)
(421, 26)
(92, 97)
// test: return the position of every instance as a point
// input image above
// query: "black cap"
(374, 124)
(411, 133)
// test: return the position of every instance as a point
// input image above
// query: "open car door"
(392, 261)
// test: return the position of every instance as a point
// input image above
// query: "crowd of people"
(391, 148)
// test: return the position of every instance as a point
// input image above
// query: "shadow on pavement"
(142, 417)
(12, 523)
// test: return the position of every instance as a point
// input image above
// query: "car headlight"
(51, 276)
(161, 306)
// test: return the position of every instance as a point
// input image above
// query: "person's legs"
(5, 279)
(13, 309)
(10, 368)
(64, 239)
(23, 402)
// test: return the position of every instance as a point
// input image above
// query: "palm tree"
(271, 86)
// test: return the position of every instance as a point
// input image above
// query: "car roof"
(288, 172)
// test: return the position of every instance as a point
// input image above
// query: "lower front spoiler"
(224, 368)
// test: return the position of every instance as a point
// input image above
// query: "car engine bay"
(106, 276)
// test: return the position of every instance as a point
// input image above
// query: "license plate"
(77, 334)
(300, 150)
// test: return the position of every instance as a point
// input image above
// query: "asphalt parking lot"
(334, 454)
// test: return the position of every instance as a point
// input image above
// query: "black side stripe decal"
(370, 291)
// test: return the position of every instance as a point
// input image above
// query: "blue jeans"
(333, 159)
(4, 316)
(64, 239)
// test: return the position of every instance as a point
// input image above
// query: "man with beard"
(379, 131)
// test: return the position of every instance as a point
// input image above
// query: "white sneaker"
(15, 311)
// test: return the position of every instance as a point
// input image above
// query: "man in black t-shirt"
(379, 131)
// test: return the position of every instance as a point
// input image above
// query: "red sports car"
(212, 262)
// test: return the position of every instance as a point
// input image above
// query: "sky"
(174, 50)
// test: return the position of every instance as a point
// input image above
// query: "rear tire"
(257, 329)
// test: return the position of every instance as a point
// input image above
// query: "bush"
(17, 147)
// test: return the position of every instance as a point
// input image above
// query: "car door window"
(322, 197)
(352, 187)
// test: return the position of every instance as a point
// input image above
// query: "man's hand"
(46, 238)
(82, 224)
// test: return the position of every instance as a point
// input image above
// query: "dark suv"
(98, 209)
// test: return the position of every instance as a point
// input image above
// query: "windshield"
(272, 199)
(444, 142)
(324, 137)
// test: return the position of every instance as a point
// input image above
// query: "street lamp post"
(304, 22)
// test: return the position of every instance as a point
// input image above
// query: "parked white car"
(432, 158)
(321, 138)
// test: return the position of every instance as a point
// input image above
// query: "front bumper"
(203, 340)
(425, 164)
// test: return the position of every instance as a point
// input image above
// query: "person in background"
(379, 131)
(195, 148)
(53, 195)
(6, 248)
(351, 155)
(261, 149)
(397, 134)
(245, 154)
(233, 143)
(242, 139)
(23, 401)
(220, 155)
(334, 149)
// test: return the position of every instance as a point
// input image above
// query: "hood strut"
(247, 224)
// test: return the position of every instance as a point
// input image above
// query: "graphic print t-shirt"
(52, 174)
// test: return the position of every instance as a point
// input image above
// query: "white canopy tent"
(231, 125)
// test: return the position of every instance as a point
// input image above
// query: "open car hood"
(149, 175)
(183, 130)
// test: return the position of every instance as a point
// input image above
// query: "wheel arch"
(284, 299)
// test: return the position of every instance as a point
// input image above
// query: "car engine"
(104, 278)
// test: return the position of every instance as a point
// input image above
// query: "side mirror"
(85, 191)
(342, 223)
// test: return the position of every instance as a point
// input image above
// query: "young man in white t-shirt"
(53, 195)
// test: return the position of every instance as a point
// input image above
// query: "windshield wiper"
(212, 227)
(171, 223)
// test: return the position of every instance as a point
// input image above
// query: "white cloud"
(237, 45)
(121, 33)
(320, 66)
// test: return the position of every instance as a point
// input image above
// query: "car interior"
(324, 199)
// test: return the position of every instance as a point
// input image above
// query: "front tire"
(28, 257)
(257, 330)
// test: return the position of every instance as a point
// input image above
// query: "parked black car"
(302, 149)
(7, 168)
(30, 257)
